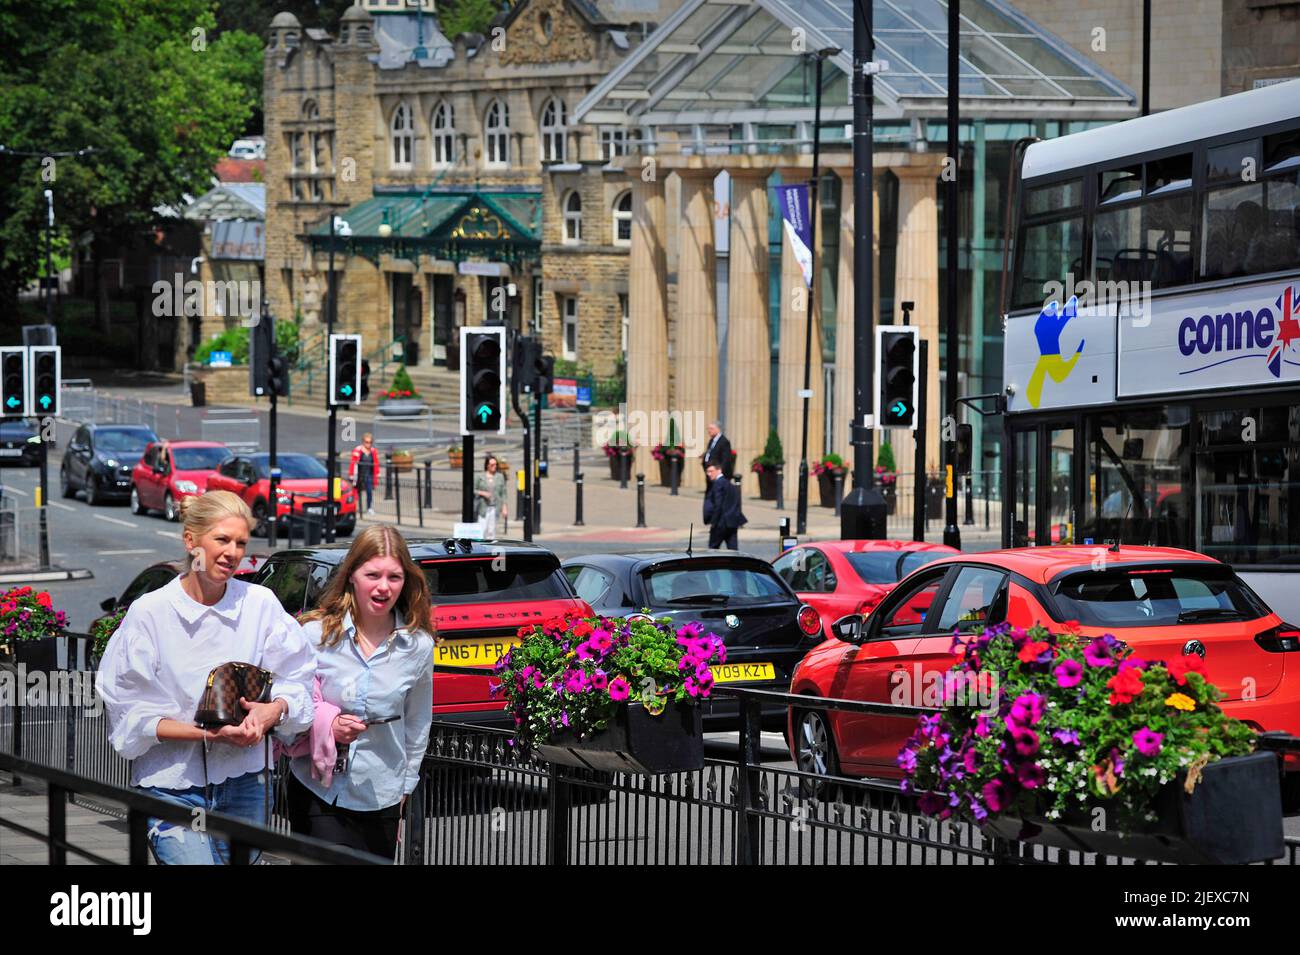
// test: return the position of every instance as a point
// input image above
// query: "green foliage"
(233, 340)
(102, 630)
(885, 457)
(150, 86)
(773, 454)
(467, 16)
(575, 673)
(402, 383)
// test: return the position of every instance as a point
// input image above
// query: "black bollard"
(640, 500)
(970, 500)
(624, 467)
(419, 498)
(388, 482)
(428, 483)
(986, 500)
(839, 490)
(675, 474)
(577, 500)
(577, 465)
(780, 487)
(397, 491)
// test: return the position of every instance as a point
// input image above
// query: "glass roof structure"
(738, 61)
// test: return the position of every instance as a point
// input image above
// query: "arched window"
(310, 110)
(496, 133)
(623, 219)
(403, 134)
(573, 218)
(552, 131)
(444, 134)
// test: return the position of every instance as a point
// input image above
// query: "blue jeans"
(242, 796)
(365, 482)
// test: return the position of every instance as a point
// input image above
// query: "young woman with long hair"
(374, 658)
(155, 670)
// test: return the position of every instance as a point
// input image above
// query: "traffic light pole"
(536, 486)
(921, 481)
(951, 533)
(527, 514)
(332, 446)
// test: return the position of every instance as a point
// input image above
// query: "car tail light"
(869, 604)
(1284, 638)
(810, 621)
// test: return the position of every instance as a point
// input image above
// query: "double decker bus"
(1152, 351)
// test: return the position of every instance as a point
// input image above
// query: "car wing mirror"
(851, 628)
(108, 604)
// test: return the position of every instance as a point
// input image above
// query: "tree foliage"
(468, 16)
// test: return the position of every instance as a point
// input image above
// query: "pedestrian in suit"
(722, 510)
(718, 450)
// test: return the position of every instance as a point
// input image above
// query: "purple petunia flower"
(599, 680)
(971, 760)
(1066, 737)
(907, 760)
(619, 689)
(1132, 663)
(982, 726)
(1068, 673)
(1025, 740)
(601, 642)
(1030, 775)
(995, 795)
(1097, 654)
(1147, 741)
(977, 810)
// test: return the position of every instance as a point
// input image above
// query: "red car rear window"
(1157, 597)
(496, 580)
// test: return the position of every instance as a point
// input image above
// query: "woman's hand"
(265, 715)
(347, 728)
(247, 733)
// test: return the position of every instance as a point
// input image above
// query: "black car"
(20, 444)
(482, 594)
(99, 460)
(160, 574)
(765, 627)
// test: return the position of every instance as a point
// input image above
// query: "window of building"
(496, 133)
(310, 111)
(623, 219)
(552, 130)
(537, 304)
(573, 218)
(613, 142)
(443, 138)
(402, 129)
(569, 315)
(294, 142)
(626, 316)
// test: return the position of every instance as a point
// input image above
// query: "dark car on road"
(762, 622)
(483, 592)
(20, 444)
(100, 458)
(159, 575)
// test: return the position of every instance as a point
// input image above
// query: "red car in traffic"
(1163, 602)
(303, 484)
(170, 471)
(839, 577)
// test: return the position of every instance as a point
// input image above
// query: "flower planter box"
(767, 485)
(620, 465)
(54, 653)
(403, 461)
(1232, 817)
(635, 742)
(402, 406)
(666, 471)
(456, 458)
(890, 491)
(826, 485)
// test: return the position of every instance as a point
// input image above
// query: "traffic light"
(483, 379)
(45, 375)
(965, 447)
(896, 372)
(261, 346)
(546, 375)
(345, 369)
(365, 379)
(530, 369)
(278, 381)
(13, 382)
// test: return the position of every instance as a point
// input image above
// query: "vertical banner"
(793, 200)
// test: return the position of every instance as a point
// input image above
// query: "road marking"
(120, 553)
(114, 520)
(171, 536)
(61, 506)
(10, 489)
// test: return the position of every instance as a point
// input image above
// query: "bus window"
(1149, 241)
(1251, 229)
(1049, 251)
(1235, 161)
(1282, 151)
(1117, 185)
(1058, 197)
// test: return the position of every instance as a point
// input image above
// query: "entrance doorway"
(408, 317)
(1045, 484)
(442, 288)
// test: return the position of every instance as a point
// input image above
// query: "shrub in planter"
(456, 456)
(401, 396)
(765, 465)
(619, 450)
(31, 627)
(1061, 726)
(826, 470)
(666, 455)
(611, 694)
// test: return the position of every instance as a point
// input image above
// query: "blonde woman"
(155, 670)
(374, 659)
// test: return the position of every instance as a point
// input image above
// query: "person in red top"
(363, 472)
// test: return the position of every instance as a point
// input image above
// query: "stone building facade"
(458, 171)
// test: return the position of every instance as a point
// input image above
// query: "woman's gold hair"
(199, 514)
(338, 600)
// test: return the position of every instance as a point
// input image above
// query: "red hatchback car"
(303, 482)
(839, 577)
(1162, 601)
(170, 471)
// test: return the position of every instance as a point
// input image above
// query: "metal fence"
(239, 429)
(79, 402)
(20, 534)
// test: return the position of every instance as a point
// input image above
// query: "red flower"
(1125, 685)
(1031, 651)
(1181, 666)
(1071, 626)
(44, 600)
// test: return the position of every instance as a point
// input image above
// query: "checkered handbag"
(219, 705)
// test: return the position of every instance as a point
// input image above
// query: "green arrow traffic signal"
(12, 402)
(484, 413)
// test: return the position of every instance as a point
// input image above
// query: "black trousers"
(722, 536)
(374, 832)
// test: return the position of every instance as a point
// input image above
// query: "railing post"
(780, 487)
(558, 802)
(397, 490)
(57, 829)
(428, 483)
(388, 480)
(419, 498)
(640, 500)
(17, 748)
(986, 500)
(839, 490)
(577, 500)
(577, 464)
(748, 822)
(413, 836)
(675, 474)
(970, 499)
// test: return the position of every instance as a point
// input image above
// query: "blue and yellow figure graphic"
(1047, 329)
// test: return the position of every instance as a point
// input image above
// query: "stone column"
(916, 277)
(647, 334)
(696, 352)
(749, 347)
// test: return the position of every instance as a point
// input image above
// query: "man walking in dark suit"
(722, 510)
(718, 450)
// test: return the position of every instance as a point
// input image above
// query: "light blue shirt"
(384, 763)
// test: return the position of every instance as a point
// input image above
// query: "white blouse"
(156, 667)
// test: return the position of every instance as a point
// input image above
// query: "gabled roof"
(230, 200)
(719, 61)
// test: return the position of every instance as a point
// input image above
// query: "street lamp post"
(862, 515)
(813, 216)
(338, 227)
(951, 533)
